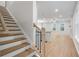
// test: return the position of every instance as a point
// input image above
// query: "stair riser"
(11, 44)
(16, 52)
(12, 41)
(9, 50)
(10, 38)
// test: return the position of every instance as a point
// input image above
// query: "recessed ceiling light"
(56, 10)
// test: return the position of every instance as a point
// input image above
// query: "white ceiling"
(46, 9)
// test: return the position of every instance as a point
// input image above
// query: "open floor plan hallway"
(60, 45)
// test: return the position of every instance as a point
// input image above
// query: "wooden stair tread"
(10, 23)
(14, 30)
(0, 25)
(8, 50)
(12, 38)
(25, 53)
(1, 29)
(7, 17)
(11, 26)
(10, 34)
(11, 41)
(8, 20)
(7, 14)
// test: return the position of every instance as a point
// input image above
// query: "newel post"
(43, 41)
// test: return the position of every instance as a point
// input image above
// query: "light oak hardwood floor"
(60, 46)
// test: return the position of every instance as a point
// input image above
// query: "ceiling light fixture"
(56, 10)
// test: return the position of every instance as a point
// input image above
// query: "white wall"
(34, 12)
(22, 11)
(76, 27)
(2, 3)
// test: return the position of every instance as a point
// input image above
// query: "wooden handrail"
(43, 40)
(34, 25)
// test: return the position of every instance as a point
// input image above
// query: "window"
(62, 27)
(54, 27)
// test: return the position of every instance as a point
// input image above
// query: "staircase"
(13, 42)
